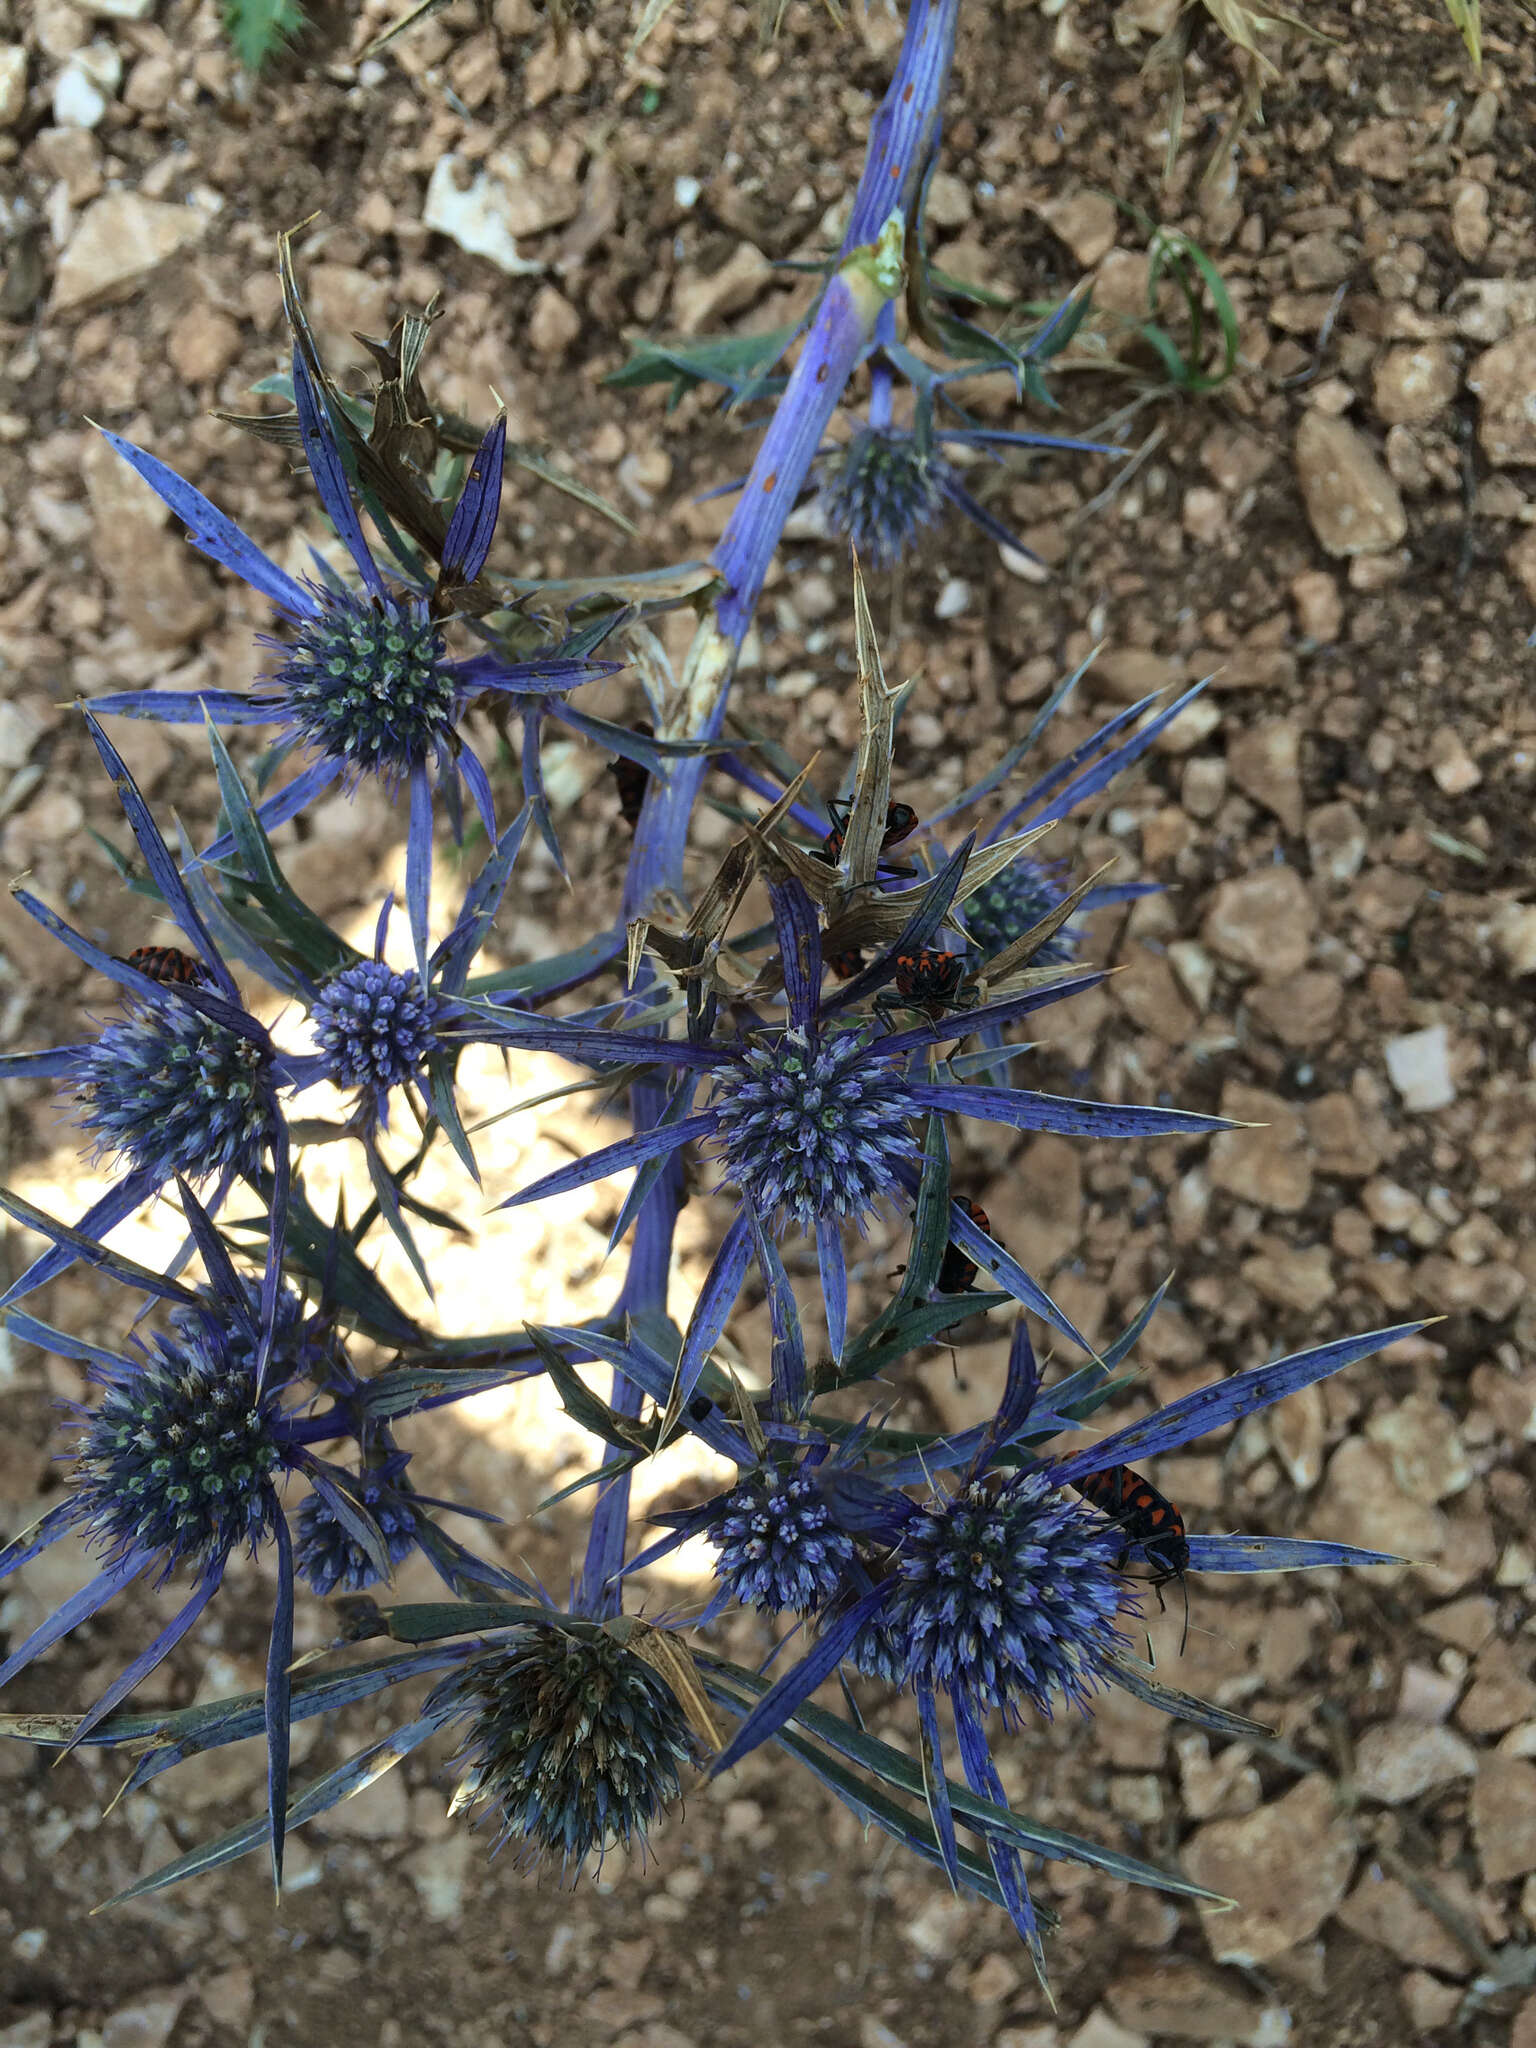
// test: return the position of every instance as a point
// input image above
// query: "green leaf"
(259, 28)
(737, 361)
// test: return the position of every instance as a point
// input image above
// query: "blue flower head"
(377, 1028)
(881, 489)
(780, 1548)
(328, 1554)
(166, 1089)
(367, 683)
(568, 1741)
(1014, 902)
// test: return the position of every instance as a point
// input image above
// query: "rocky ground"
(1343, 536)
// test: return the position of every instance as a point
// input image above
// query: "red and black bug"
(900, 821)
(959, 1268)
(631, 779)
(847, 964)
(168, 964)
(1148, 1522)
(929, 980)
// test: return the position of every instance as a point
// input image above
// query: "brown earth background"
(1344, 536)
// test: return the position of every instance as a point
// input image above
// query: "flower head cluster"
(328, 1554)
(779, 1546)
(375, 1026)
(166, 1090)
(367, 682)
(814, 1126)
(881, 489)
(1015, 901)
(569, 1741)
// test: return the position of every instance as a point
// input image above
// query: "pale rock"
(1085, 222)
(954, 600)
(120, 10)
(1287, 1866)
(1203, 785)
(230, 1996)
(1351, 501)
(1514, 936)
(1298, 1428)
(1292, 1278)
(203, 344)
(1501, 1695)
(1336, 841)
(1471, 228)
(1196, 971)
(1301, 1010)
(1504, 1816)
(553, 323)
(948, 203)
(936, 1928)
(1382, 1910)
(438, 1870)
(1361, 1503)
(1413, 385)
(1504, 380)
(1426, 1694)
(19, 734)
(13, 83)
(147, 2023)
(698, 302)
(164, 593)
(1432, 2004)
(1488, 308)
(993, 1979)
(1131, 673)
(1321, 260)
(1429, 1460)
(1151, 997)
(1386, 898)
(1262, 922)
(1265, 763)
(78, 102)
(1188, 2003)
(1196, 722)
(1420, 1066)
(1399, 1760)
(344, 302)
(470, 207)
(1450, 763)
(1215, 1788)
(1099, 2030)
(119, 241)
(1341, 1145)
(1319, 606)
(1267, 1165)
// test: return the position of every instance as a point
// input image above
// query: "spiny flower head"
(814, 1125)
(571, 1742)
(881, 489)
(367, 682)
(779, 1546)
(329, 1556)
(1005, 1591)
(1003, 909)
(181, 1454)
(167, 1090)
(376, 1027)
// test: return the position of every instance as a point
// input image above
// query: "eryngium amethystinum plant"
(259, 1393)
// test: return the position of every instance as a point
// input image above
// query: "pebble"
(1287, 1866)
(1265, 763)
(553, 323)
(1514, 937)
(1262, 922)
(120, 10)
(1291, 1278)
(145, 2024)
(1361, 1502)
(1267, 1166)
(1503, 379)
(1086, 222)
(1099, 2030)
(1382, 1910)
(1189, 2003)
(437, 1870)
(13, 83)
(1353, 504)
(1450, 763)
(230, 1996)
(698, 302)
(78, 101)
(1301, 1010)
(1398, 1760)
(1213, 1788)
(119, 240)
(1420, 1066)
(1503, 1809)
(203, 344)
(1147, 991)
(1414, 385)
(1319, 606)
(1336, 841)
(1428, 1457)
(1341, 1145)
(471, 207)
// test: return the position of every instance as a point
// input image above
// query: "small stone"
(438, 1870)
(1420, 1066)
(698, 302)
(1382, 1910)
(1425, 1694)
(147, 2023)
(163, 591)
(1196, 971)
(1215, 1788)
(203, 344)
(1514, 936)
(1341, 1145)
(19, 734)
(230, 1996)
(122, 10)
(1336, 842)
(78, 101)
(1360, 1502)
(1100, 2031)
(1150, 996)
(1504, 378)
(954, 600)
(120, 239)
(993, 1979)
(1352, 502)
(13, 83)
(1202, 786)
(1292, 1278)
(1320, 261)
(1319, 606)
(1386, 898)
(553, 323)
(470, 207)
(1086, 222)
(1398, 1760)
(1189, 2003)
(1287, 1866)
(1267, 1166)
(1429, 1460)
(1450, 763)
(1414, 385)
(1262, 922)
(1504, 1816)
(1298, 1428)
(1432, 2005)
(1266, 764)
(1471, 229)
(1501, 1695)
(1301, 1011)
